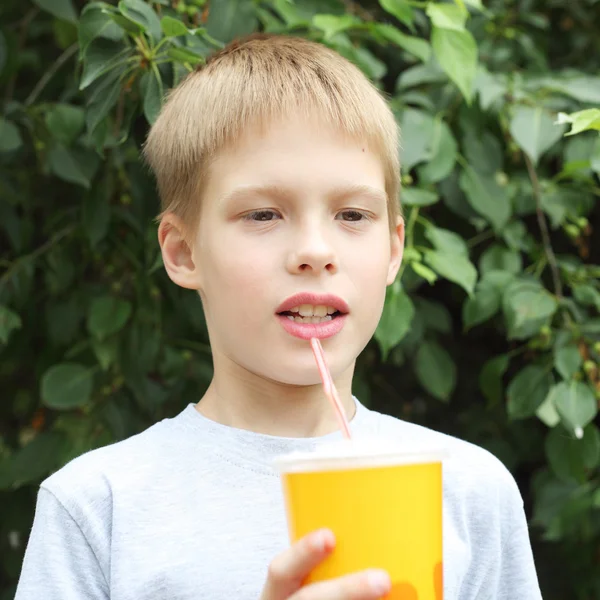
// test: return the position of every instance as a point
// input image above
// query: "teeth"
(314, 320)
(308, 310)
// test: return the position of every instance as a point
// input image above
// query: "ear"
(176, 252)
(397, 250)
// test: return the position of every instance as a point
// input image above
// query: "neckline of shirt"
(251, 450)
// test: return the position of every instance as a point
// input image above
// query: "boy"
(277, 168)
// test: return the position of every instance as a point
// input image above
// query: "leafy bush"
(492, 331)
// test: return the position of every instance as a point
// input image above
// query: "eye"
(352, 215)
(262, 215)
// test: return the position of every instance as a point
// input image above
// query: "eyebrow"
(340, 192)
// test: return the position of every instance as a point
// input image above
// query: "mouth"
(313, 315)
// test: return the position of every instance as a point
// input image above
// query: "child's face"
(297, 208)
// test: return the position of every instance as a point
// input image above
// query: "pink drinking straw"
(329, 387)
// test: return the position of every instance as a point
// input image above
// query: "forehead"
(296, 153)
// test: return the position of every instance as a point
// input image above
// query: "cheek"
(237, 279)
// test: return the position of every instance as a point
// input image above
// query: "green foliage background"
(491, 333)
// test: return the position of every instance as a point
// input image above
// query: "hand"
(288, 571)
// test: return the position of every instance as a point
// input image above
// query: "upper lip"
(314, 300)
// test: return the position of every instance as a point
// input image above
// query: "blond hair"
(253, 81)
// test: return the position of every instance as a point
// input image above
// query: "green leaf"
(498, 258)
(490, 377)
(185, 55)
(534, 131)
(435, 370)
(152, 92)
(595, 157)
(490, 87)
(413, 45)
(9, 322)
(94, 23)
(143, 14)
(454, 267)
(61, 9)
(101, 57)
(445, 240)
(583, 120)
(527, 306)
(124, 23)
(456, 52)
(425, 272)
(173, 27)
(571, 458)
(475, 4)
(396, 319)
(558, 202)
(486, 197)
(547, 412)
(65, 122)
(72, 165)
(446, 16)
(527, 391)
(483, 305)
(107, 316)
(417, 128)
(443, 154)
(33, 462)
(229, 19)
(66, 385)
(567, 361)
(95, 214)
(435, 316)
(483, 151)
(418, 197)
(575, 403)
(106, 351)
(104, 97)
(587, 294)
(331, 25)
(10, 137)
(401, 9)
(515, 235)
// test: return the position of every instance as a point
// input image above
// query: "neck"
(244, 400)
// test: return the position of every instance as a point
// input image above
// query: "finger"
(292, 567)
(366, 585)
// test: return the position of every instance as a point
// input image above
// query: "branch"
(23, 260)
(537, 194)
(58, 63)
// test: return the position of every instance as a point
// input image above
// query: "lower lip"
(306, 331)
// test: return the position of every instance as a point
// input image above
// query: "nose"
(312, 252)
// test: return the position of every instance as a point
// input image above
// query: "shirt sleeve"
(59, 563)
(517, 574)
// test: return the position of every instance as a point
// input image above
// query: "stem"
(480, 237)
(159, 46)
(142, 47)
(411, 226)
(58, 63)
(23, 260)
(543, 225)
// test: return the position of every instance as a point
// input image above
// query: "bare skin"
(289, 570)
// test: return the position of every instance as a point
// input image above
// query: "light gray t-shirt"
(192, 510)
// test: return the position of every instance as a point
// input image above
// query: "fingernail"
(379, 581)
(322, 540)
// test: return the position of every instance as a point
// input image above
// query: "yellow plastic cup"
(384, 507)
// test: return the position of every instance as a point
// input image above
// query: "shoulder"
(473, 477)
(91, 479)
